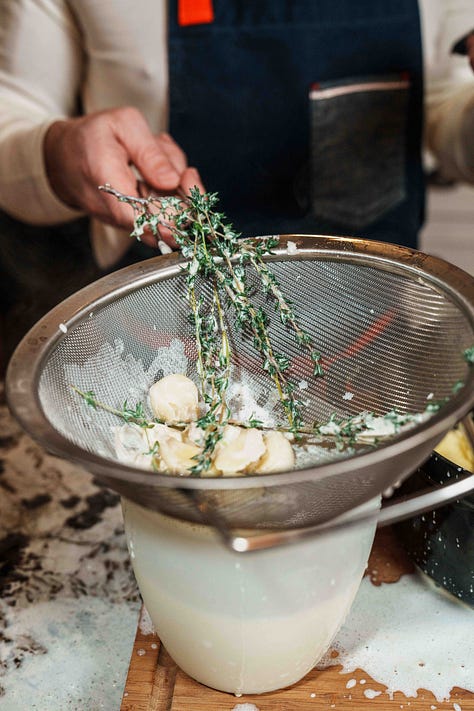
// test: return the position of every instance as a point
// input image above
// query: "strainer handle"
(404, 508)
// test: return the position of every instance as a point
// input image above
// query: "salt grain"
(348, 396)
(291, 247)
(63, 327)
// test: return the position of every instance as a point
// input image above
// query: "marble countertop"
(68, 599)
(69, 603)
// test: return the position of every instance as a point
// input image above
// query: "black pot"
(441, 542)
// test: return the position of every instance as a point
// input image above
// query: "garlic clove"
(194, 435)
(278, 456)
(230, 433)
(238, 450)
(175, 398)
(158, 433)
(178, 457)
(131, 445)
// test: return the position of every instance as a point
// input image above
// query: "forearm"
(25, 192)
(449, 124)
(40, 70)
(450, 132)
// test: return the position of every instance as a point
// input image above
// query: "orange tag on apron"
(195, 12)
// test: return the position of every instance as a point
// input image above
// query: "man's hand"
(83, 153)
(470, 49)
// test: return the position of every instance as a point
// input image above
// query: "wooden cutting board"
(155, 683)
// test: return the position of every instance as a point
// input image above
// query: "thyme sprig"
(345, 431)
(130, 415)
(283, 306)
(215, 253)
(135, 415)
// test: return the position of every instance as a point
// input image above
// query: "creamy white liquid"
(247, 623)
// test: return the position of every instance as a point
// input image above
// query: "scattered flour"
(245, 707)
(68, 669)
(291, 247)
(145, 624)
(371, 693)
(426, 626)
(348, 396)
(246, 399)
(114, 376)
(351, 683)
(313, 454)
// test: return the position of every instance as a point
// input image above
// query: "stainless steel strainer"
(392, 325)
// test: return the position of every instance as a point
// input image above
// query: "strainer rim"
(25, 367)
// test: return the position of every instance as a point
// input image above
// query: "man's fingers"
(141, 146)
(470, 49)
(167, 236)
(190, 179)
(108, 146)
(116, 170)
(175, 154)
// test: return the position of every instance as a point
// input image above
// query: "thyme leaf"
(469, 355)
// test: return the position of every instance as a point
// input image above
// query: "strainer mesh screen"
(388, 340)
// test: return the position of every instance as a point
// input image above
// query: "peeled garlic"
(159, 446)
(238, 449)
(178, 457)
(158, 433)
(279, 455)
(174, 398)
(131, 446)
(194, 435)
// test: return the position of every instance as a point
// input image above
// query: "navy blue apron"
(274, 103)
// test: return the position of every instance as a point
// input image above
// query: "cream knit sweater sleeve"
(41, 64)
(61, 56)
(449, 90)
